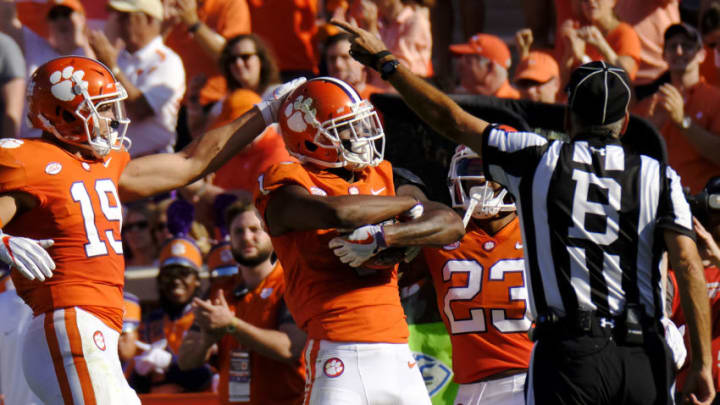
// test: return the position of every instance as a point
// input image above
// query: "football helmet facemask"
(470, 190)
(71, 97)
(326, 122)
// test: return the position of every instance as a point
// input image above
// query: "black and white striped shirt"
(592, 214)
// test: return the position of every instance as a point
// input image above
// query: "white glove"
(28, 256)
(415, 212)
(675, 341)
(156, 358)
(361, 244)
(270, 104)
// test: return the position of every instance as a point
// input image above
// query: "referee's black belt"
(628, 328)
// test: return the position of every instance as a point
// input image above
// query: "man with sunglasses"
(684, 109)
(152, 74)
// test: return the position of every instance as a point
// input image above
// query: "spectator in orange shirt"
(259, 344)
(289, 27)
(483, 68)
(649, 19)
(340, 64)
(197, 30)
(599, 35)
(685, 110)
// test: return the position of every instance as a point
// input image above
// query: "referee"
(596, 218)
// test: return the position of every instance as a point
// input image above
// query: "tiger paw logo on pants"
(63, 87)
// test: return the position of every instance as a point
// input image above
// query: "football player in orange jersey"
(357, 350)
(66, 187)
(481, 290)
(258, 343)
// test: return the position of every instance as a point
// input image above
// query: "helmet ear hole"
(310, 146)
(67, 116)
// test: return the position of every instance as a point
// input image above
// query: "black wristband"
(194, 27)
(376, 58)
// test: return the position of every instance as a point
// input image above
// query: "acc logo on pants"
(333, 367)
(99, 340)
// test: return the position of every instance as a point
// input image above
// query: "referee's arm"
(434, 107)
(690, 274)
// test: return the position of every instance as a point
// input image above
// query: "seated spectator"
(66, 36)
(649, 19)
(139, 241)
(710, 29)
(404, 28)
(340, 64)
(483, 67)
(259, 344)
(128, 341)
(178, 282)
(599, 35)
(151, 73)
(685, 109)
(537, 76)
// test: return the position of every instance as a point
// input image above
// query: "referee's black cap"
(599, 93)
(713, 185)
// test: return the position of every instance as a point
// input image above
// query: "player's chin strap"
(470, 209)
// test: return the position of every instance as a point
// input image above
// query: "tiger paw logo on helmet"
(300, 114)
(63, 87)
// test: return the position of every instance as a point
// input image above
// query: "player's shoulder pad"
(281, 174)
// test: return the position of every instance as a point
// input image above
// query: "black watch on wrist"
(388, 68)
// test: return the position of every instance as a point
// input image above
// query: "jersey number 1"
(103, 188)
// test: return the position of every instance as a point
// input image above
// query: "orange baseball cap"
(537, 66)
(486, 45)
(220, 261)
(74, 5)
(181, 251)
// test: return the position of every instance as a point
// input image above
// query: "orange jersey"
(271, 382)
(701, 104)
(481, 296)
(78, 207)
(329, 299)
(289, 27)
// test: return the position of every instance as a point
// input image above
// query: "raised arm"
(154, 174)
(292, 208)
(437, 109)
(686, 263)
